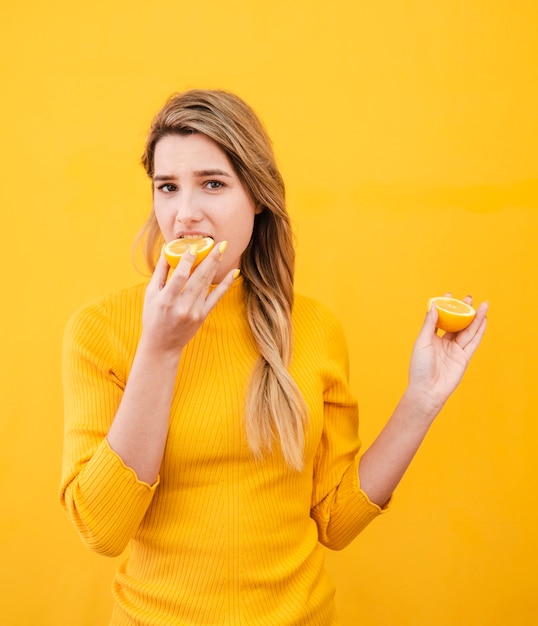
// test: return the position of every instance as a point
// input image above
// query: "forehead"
(194, 148)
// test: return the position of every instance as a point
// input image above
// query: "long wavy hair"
(275, 407)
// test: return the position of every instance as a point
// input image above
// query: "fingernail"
(236, 273)
(192, 250)
(222, 247)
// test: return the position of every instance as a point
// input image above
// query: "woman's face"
(197, 192)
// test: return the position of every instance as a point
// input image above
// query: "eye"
(167, 188)
(214, 185)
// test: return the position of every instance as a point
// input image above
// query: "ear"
(259, 209)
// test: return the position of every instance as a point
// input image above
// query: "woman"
(209, 423)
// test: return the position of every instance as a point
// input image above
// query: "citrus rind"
(453, 314)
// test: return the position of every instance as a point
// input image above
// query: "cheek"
(165, 219)
(246, 228)
(250, 211)
(240, 236)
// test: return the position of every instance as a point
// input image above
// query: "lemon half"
(174, 250)
(453, 314)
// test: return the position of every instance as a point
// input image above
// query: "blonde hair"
(274, 405)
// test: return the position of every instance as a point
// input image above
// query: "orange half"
(453, 315)
(175, 249)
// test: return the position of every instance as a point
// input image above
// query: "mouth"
(194, 236)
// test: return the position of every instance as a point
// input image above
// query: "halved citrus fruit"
(201, 246)
(453, 315)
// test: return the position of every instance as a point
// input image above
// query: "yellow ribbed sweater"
(221, 538)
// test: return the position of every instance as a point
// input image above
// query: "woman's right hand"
(174, 310)
(176, 306)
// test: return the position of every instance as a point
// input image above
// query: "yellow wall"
(407, 132)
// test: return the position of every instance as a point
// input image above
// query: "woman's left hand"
(439, 362)
(437, 365)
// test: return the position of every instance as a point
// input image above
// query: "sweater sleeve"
(340, 508)
(103, 497)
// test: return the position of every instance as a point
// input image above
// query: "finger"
(221, 289)
(183, 272)
(200, 279)
(481, 312)
(183, 269)
(467, 335)
(205, 272)
(429, 327)
(160, 274)
(476, 338)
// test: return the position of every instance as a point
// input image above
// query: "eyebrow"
(197, 174)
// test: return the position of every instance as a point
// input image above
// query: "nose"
(187, 211)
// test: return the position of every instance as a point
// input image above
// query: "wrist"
(153, 351)
(421, 405)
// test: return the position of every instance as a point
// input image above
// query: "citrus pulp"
(453, 314)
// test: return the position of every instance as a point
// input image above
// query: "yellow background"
(407, 133)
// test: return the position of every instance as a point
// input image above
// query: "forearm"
(140, 428)
(384, 463)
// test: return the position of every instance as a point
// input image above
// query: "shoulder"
(307, 310)
(313, 319)
(113, 309)
(319, 340)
